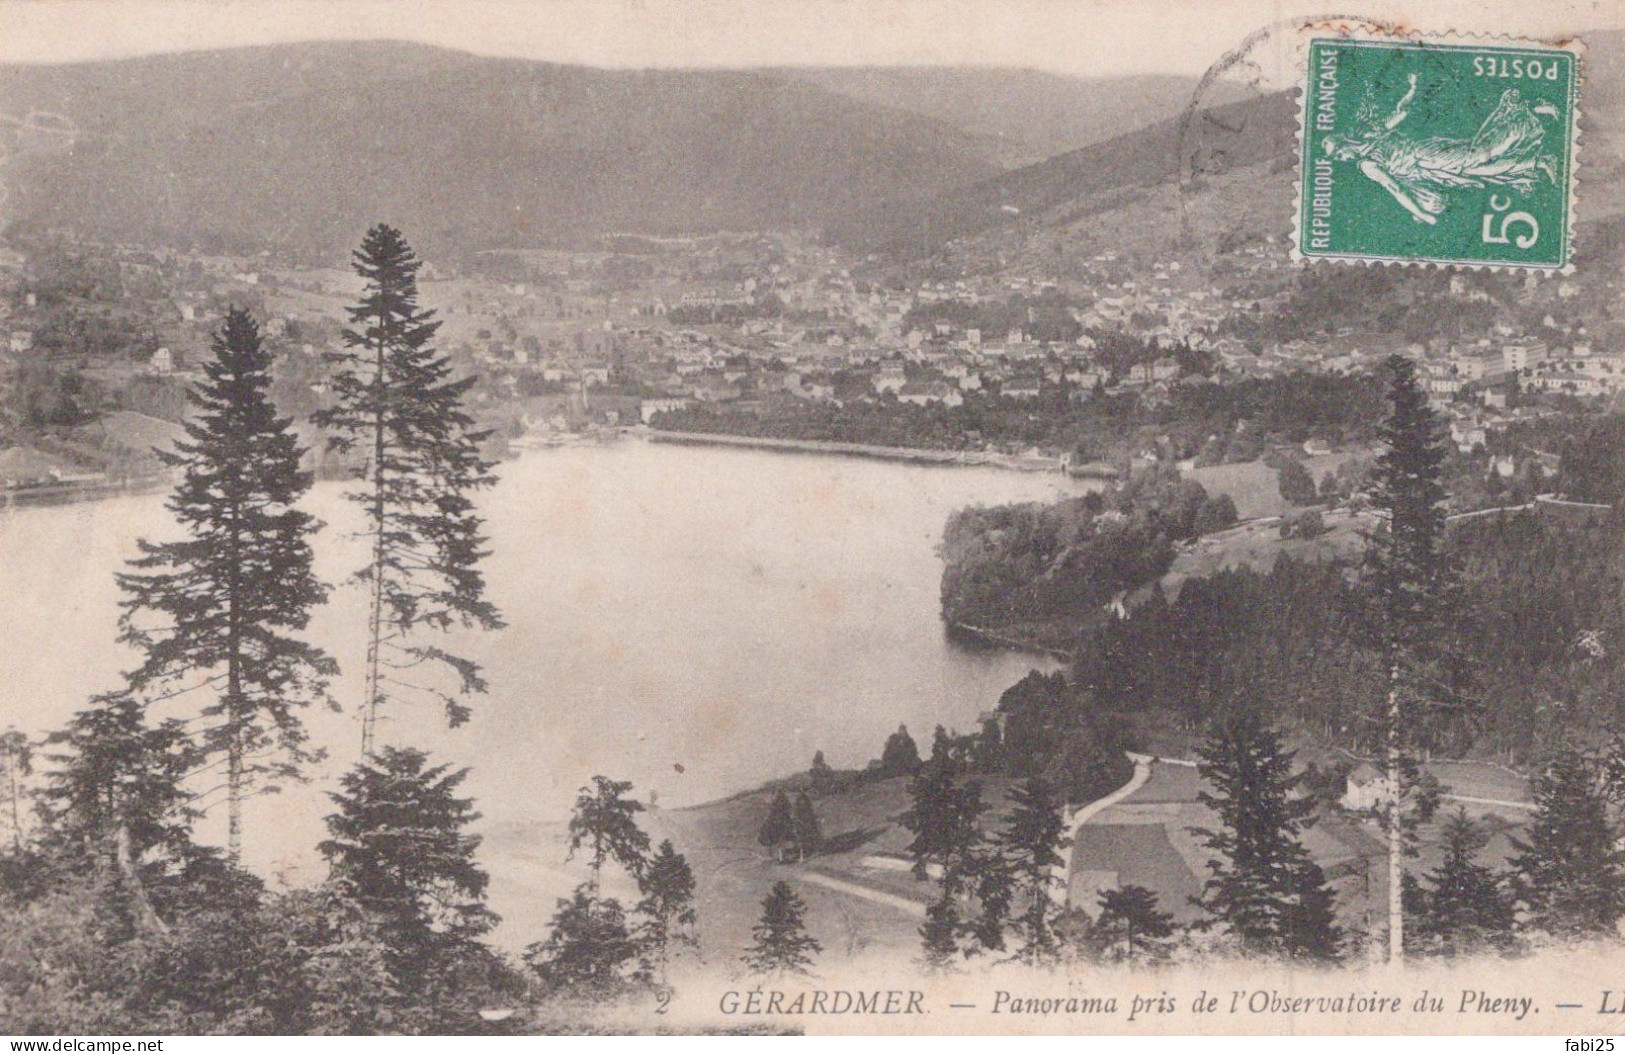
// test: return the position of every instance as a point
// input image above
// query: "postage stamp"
(1438, 152)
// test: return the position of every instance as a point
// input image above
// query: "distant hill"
(304, 145)
(1602, 106)
(1128, 185)
(1223, 139)
(1025, 116)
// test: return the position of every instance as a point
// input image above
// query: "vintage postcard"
(879, 517)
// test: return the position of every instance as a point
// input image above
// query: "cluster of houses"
(942, 364)
(1580, 369)
(687, 368)
(1472, 385)
(580, 326)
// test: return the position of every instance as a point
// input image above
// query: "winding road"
(1062, 871)
(874, 896)
(1061, 887)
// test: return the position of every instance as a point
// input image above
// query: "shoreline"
(995, 639)
(915, 455)
(75, 493)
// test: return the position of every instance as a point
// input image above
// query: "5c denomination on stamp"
(1437, 152)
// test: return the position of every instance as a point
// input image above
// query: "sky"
(1079, 37)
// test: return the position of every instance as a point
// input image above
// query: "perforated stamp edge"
(1354, 28)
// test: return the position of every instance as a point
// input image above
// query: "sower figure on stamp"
(1506, 152)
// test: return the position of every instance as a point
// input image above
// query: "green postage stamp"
(1428, 152)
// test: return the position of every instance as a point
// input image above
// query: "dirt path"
(874, 896)
(1528, 806)
(1062, 871)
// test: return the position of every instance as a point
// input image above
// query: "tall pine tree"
(1029, 848)
(397, 408)
(592, 950)
(821, 778)
(943, 815)
(1568, 865)
(16, 765)
(666, 913)
(939, 933)
(809, 831)
(1130, 927)
(589, 949)
(605, 823)
(1262, 885)
(779, 826)
(224, 603)
(400, 849)
(114, 805)
(1408, 587)
(782, 945)
(1467, 907)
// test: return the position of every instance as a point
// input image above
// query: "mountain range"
(1223, 171)
(1023, 116)
(302, 146)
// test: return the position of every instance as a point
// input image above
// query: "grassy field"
(1475, 779)
(733, 872)
(1146, 840)
(1111, 855)
(1258, 545)
(1253, 486)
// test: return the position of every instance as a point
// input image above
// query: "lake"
(696, 620)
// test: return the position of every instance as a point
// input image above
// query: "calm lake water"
(695, 620)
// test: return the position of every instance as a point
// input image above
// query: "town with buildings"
(691, 332)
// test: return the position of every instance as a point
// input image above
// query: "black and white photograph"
(811, 517)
